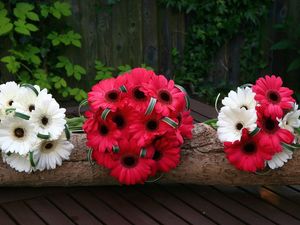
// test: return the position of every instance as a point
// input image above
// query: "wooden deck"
(152, 203)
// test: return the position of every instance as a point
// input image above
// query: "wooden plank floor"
(152, 203)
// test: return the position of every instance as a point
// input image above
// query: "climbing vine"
(212, 24)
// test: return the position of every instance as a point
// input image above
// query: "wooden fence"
(128, 32)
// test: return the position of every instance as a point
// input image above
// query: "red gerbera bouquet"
(136, 124)
(259, 125)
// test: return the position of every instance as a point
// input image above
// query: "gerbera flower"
(17, 135)
(272, 96)
(231, 122)
(243, 98)
(146, 128)
(48, 117)
(271, 132)
(20, 163)
(106, 158)
(185, 124)
(105, 94)
(169, 98)
(50, 154)
(166, 155)
(130, 168)
(121, 118)
(248, 154)
(103, 136)
(136, 79)
(280, 158)
(291, 119)
(8, 92)
(25, 100)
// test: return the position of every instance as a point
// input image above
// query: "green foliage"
(103, 71)
(212, 25)
(290, 43)
(37, 36)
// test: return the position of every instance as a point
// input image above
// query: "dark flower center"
(152, 125)
(239, 126)
(270, 125)
(48, 146)
(119, 121)
(129, 161)
(19, 132)
(139, 95)
(103, 129)
(274, 96)
(112, 96)
(245, 107)
(157, 155)
(10, 102)
(165, 96)
(44, 121)
(249, 148)
(31, 108)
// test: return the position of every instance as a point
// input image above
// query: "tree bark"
(203, 162)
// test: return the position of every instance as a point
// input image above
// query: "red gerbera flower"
(121, 119)
(185, 121)
(166, 155)
(169, 98)
(130, 168)
(272, 96)
(147, 127)
(106, 158)
(105, 94)
(103, 136)
(136, 79)
(271, 132)
(248, 154)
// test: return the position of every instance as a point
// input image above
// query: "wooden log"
(202, 162)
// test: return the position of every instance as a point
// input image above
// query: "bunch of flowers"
(33, 131)
(136, 124)
(259, 124)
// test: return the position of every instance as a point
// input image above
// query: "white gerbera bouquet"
(33, 130)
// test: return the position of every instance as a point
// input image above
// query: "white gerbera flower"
(47, 116)
(25, 101)
(243, 98)
(280, 158)
(231, 122)
(49, 154)
(8, 93)
(291, 120)
(17, 135)
(21, 163)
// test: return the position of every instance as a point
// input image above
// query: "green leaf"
(281, 45)
(76, 43)
(33, 16)
(5, 28)
(22, 9)
(31, 27)
(11, 64)
(294, 65)
(124, 68)
(60, 9)
(44, 11)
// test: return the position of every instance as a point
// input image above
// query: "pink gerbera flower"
(248, 154)
(136, 79)
(169, 98)
(271, 132)
(147, 127)
(166, 155)
(272, 96)
(121, 119)
(103, 135)
(130, 168)
(105, 94)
